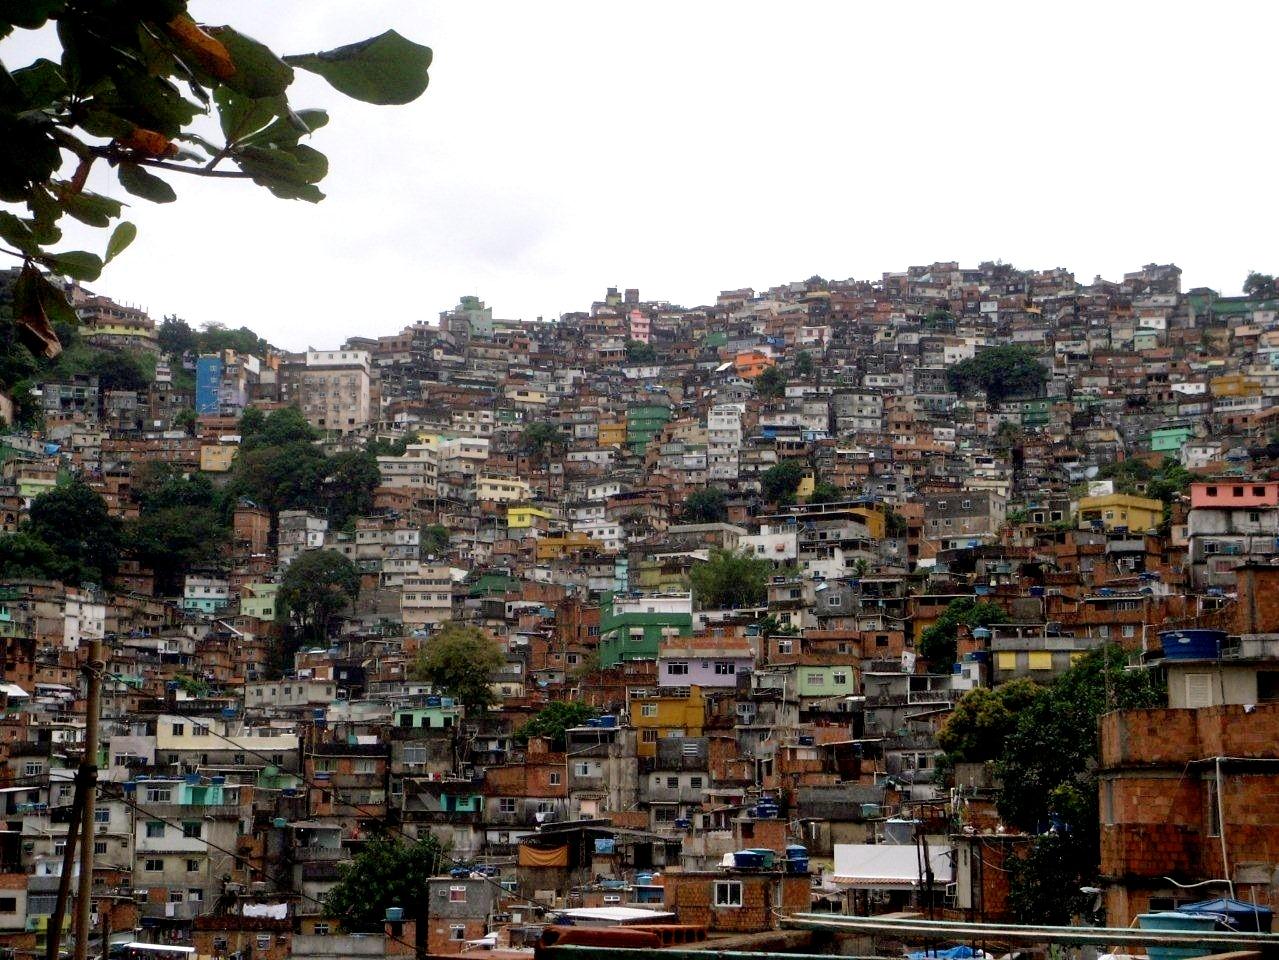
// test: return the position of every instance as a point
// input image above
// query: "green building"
(643, 423)
(632, 627)
(1170, 440)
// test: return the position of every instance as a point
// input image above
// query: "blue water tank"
(1192, 644)
(749, 859)
(608, 722)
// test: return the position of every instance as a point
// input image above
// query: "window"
(457, 932)
(264, 939)
(101, 816)
(1198, 690)
(175, 896)
(99, 848)
(677, 668)
(695, 783)
(321, 929)
(581, 769)
(556, 778)
(179, 729)
(1254, 516)
(155, 829)
(195, 895)
(8, 904)
(1040, 660)
(193, 866)
(666, 813)
(784, 646)
(199, 730)
(153, 865)
(672, 783)
(648, 736)
(506, 805)
(1212, 491)
(32, 768)
(728, 893)
(815, 680)
(725, 668)
(191, 829)
(834, 600)
(648, 710)
(457, 893)
(159, 794)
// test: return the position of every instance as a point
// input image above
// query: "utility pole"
(89, 786)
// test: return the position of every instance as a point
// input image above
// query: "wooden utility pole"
(89, 787)
(53, 938)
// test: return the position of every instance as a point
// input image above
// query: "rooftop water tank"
(1192, 644)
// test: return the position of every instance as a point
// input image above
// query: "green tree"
(348, 487)
(554, 719)
(385, 873)
(459, 661)
(161, 486)
(779, 482)
(1010, 370)
(434, 541)
(23, 555)
(983, 719)
(939, 642)
(538, 436)
(117, 97)
(804, 364)
(214, 338)
(73, 520)
(173, 541)
(771, 384)
(176, 338)
(315, 588)
(826, 492)
(1260, 286)
(640, 352)
(705, 506)
(1048, 772)
(280, 427)
(730, 580)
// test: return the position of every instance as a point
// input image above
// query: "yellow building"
(612, 433)
(1138, 514)
(667, 713)
(1234, 385)
(524, 517)
(556, 545)
(217, 457)
(502, 489)
(806, 486)
(876, 523)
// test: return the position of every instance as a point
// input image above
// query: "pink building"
(1234, 494)
(703, 661)
(639, 326)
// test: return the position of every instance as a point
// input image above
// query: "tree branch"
(194, 171)
(14, 253)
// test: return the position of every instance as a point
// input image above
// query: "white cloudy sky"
(688, 147)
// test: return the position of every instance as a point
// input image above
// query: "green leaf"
(144, 184)
(101, 122)
(123, 235)
(76, 264)
(17, 233)
(28, 14)
(45, 213)
(240, 116)
(41, 83)
(312, 164)
(290, 128)
(288, 174)
(258, 71)
(91, 208)
(386, 69)
(156, 102)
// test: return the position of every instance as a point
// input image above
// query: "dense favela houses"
(949, 593)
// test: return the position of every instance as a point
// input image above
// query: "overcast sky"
(688, 147)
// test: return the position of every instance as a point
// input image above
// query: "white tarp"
(867, 866)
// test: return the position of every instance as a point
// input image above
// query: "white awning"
(887, 866)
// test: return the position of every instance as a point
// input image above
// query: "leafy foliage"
(705, 506)
(983, 719)
(68, 536)
(729, 580)
(826, 492)
(771, 384)
(939, 642)
(385, 873)
(459, 661)
(434, 541)
(348, 486)
(538, 436)
(804, 366)
(1000, 372)
(779, 482)
(1049, 782)
(555, 718)
(179, 526)
(315, 588)
(127, 90)
(1260, 286)
(639, 352)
